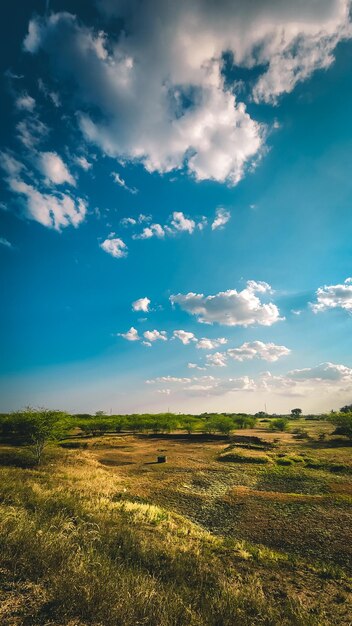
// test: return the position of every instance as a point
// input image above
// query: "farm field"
(254, 528)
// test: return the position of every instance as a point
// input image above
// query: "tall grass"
(98, 559)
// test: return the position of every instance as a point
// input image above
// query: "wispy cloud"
(122, 183)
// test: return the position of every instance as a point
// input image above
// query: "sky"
(176, 205)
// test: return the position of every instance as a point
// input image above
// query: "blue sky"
(176, 206)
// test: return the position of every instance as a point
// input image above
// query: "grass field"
(250, 529)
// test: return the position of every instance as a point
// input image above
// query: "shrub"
(36, 427)
(279, 424)
(343, 423)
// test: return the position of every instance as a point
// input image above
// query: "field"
(255, 528)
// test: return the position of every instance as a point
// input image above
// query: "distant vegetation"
(36, 427)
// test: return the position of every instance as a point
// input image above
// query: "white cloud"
(25, 102)
(128, 221)
(328, 372)
(218, 359)
(325, 379)
(141, 305)
(178, 223)
(82, 162)
(4, 242)
(141, 219)
(10, 165)
(334, 297)
(31, 131)
(181, 223)
(168, 379)
(56, 211)
(155, 335)
(221, 218)
(258, 350)
(154, 230)
(248, 351)
(144, 218)
(232, 307)
(194, 366)
(54, 169)
(184, 336)
(172, 54)
(114, 246)
(131, 335)
(209, 344)
(122, 183)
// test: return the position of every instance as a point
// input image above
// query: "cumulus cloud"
(184, 336)
(209, 344)
(334, 297)
(178, 223)
(154, 230)
(128, 221)
(204, 343)
(173, 54)
(221, 218)
(248, 351)
(327, 378)
(181, 223)
(54, 169)
(205, 385)
(142, 304)
(194, 366)
(114, 246)
(218, 359)
(232, 307)
(258, 350)
(55, 210)
(155, 335)
(329, 372)
(131, 335)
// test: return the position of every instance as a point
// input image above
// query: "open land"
(254, 528)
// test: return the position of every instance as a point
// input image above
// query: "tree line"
(37, 427)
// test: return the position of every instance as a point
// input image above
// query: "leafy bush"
(343, 423)
(35, 428)
(279, 424)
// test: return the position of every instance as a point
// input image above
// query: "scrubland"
(242, 529)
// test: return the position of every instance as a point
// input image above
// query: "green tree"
(296, 412)
(220, 423)
(96, 427)
(244, 421)
(37, 427)
(342, 423)
(188, 423)
(346, 409)
(280, 424)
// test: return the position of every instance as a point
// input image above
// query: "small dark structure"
(162, 459)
